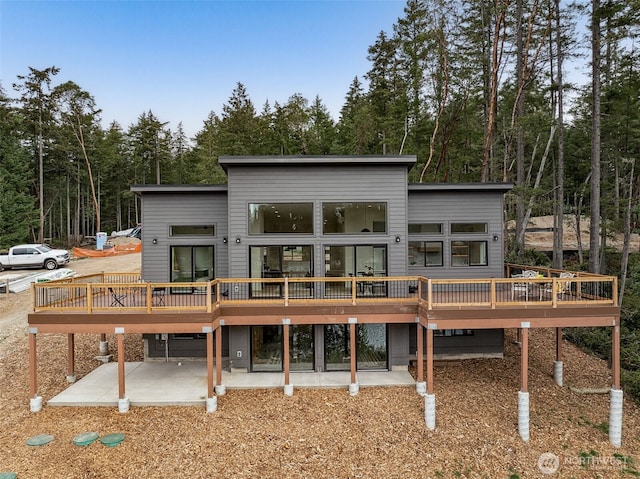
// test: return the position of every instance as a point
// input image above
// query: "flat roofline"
(492, 187)
(220, 188)
(406, 161)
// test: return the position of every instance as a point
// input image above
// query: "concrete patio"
(185, 383)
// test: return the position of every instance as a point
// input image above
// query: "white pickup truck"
(33, 256)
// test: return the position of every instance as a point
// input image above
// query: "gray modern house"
(322, 216)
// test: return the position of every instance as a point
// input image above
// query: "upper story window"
(425, 228)
(473, 228)
(192, 230)
(280, 218)
(354, 217)
(469, 253)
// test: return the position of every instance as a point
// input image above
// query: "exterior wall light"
(224, 240)
(237, 239)
(496, 237)
(154, 240)
(398, 239)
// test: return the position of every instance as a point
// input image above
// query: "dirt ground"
(319, 433)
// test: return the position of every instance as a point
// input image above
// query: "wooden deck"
(122, 304)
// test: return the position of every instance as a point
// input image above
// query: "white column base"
(104, 348)
(421, 388)
(212, 404)
(354, 389)
(123, 405)
(615, 417)
(220, 389)
(430, 411)
(523, 415)
(71, 378)
(557, 372)
(35, 404)
(288, 389)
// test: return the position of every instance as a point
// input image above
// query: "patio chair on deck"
(524, 287)
(562, 287)
(116, 298)
(157, 296)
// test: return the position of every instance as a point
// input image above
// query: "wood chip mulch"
(325, 433)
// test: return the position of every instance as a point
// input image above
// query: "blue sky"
(182, 59)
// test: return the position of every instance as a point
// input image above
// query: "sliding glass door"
(267, 348)
(371, 344)
(192, 263)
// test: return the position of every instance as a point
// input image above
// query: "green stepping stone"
(85, 438)
(8, 475)
(111, 440)
(40, 440)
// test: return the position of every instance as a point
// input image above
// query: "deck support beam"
(123, 402)
(430, 397)
(421, 386)
(219, 388)
(211, 401)
(35, 401)
(354, 388)
(523, 394)
(288, 387)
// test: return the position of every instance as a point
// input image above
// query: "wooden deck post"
(33, 364)
(524, 360)
(288, 388)
(71, 358)
(420, 354)
(615, 356)
(558, 344)
(219, 388)
(210, 363)
(120, 338)
(429, 360)
(353, 350)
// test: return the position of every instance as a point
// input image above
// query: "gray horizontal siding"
(455, 207)
(160, 211)
(317, 184)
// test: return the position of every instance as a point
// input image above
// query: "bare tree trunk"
(594, 233)
(558, 231)
(527, 213)
(624, 263)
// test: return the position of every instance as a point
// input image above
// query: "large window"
(280, 218)
(278, 262)
(351, 218)
(267, 348)
(468, 253)
(425, 253)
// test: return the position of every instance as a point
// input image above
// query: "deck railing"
(115, 292)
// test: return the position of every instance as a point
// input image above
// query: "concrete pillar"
(221, 390)
(35, 404)
(212, 404)
(430, 411)
(523, 415)
(557, 372)
(354, 389)
(421, 388)
(288, 389)
(123, 405)
(615, 417)
(104, 348)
